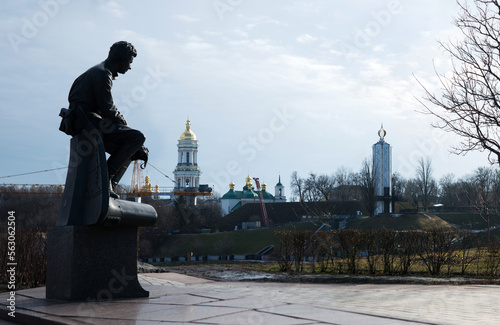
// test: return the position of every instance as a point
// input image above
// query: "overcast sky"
(270, 87)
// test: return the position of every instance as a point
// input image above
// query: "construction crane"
(265, 219)
(136, 184)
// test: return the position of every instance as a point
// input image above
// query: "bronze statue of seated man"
(97, 127)
(91, 99)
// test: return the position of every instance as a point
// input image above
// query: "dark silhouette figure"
(91, 99)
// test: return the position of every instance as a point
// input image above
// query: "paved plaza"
(181, 299)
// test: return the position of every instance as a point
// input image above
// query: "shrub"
(406, 249)
(31, 258)
(283, 250)
(351, 245)
(435, 248)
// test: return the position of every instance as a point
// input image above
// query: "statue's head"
(122, 54)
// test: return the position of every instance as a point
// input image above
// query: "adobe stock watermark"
(31, 25)
(362, 37)
(149, 82)
(11, 263)
(221, 7)
(425, 147)
(250, 147)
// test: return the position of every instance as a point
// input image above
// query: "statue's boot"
(112, 192)
(115, 176)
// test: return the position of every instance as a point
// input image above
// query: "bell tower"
(279, 191)
(187, 173)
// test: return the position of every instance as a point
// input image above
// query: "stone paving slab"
(181, 299)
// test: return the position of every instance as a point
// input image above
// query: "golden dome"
(264, 186)
(231, 186)
(188, 134)
(248, 181)
(147, 187)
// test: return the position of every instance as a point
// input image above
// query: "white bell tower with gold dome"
(187, 173)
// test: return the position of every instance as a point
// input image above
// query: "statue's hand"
(143, 155)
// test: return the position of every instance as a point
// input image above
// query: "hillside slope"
(398, 221)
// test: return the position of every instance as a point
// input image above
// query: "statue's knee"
(140, 138)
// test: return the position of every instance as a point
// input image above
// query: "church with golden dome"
(234, 199)
(187, 173)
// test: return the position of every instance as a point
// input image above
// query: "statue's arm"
(104, 98)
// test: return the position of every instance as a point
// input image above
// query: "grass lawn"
(232, 242)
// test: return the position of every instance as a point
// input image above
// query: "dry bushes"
(431, 251)
(31, 258)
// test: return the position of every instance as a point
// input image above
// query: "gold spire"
(231, 186)
(381, 132)
(188, 134)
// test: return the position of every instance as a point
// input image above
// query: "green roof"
(231, 195)
(250, 195)
(267, 195)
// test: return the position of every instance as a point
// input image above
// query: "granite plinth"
(92, 263)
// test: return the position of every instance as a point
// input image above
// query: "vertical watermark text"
(11, 263)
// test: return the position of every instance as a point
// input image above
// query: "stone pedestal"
(92, 263)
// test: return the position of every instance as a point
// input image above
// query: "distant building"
(279, 191)
(234, 199)
(382, 167)
(334, 213)
(187, 173)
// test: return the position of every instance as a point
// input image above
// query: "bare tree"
(411, 192)
(425, 182)
(449, 191)
(314, 188)
(478, 190)
(468, 103)
(345, 181)
(297, 186)
(211, 213)
(324, 185)
(496, 188)
(367, 181)
(398, 185)
(313, 192)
